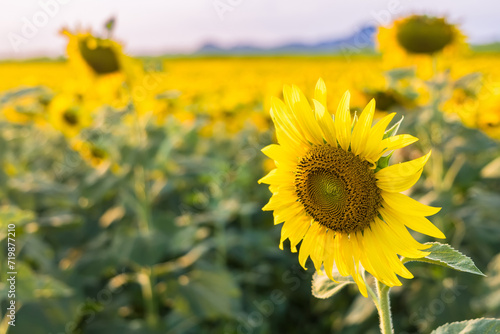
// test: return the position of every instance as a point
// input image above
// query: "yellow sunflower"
(333, 190)
(90, 152)
(480, 112)
(103, 68)
(69, 114)
(411, 40)
(98, 55)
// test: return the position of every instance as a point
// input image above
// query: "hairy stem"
(384, 309)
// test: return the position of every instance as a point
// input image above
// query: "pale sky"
(169, 26)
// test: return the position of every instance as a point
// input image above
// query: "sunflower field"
(132, 189)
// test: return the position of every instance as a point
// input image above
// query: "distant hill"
(362, 40)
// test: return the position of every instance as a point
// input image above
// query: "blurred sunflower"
(386, 99)
(91, 53)
(104, 69)
(411, 40)
(69, 114)
(333, 190)
(480, 112)
(90, 152)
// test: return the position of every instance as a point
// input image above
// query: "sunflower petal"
(358, 277)
(347, 262)
(393, 143)
(287, 95)
(382, 266)
(285, 121)
(326, 123)
(284, 214)
(320, 92)
(280, 155)
(373, 144)
(362, 128)
(278, 176)
(294, 230)
(395, 263)
(408, 205)
(417, 223)
(308, 244)
(400, 177)
(318, 252)
(398, 244)
(328, 254)
(399, 230)
(284, 197)
(339, 261)
(399, 141)
(343, 122)
(305, 116)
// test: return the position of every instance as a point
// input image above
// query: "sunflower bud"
(424, 35)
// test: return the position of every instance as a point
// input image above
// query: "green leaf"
(13, 215)
(444, 255)
(394, 129)
(206, 293)
(383, 162)
(323, 287)
(31, 285)
(360, 310)
(482, 325)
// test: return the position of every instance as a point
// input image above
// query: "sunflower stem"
(374, 297)
(372, 294)
(384, 309)
(146, 280)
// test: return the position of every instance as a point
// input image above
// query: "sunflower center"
(337, 189)
(70, 117)
(425, 35)
(101, 58)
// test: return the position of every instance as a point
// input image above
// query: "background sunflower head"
(411, 41)
(480, 112)
(69, 114)
(424, 34)
(100, 56)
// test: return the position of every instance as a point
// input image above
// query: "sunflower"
(69, 114)
(103, 68)
(411, 40)
(97, 55)
(333, 190)
(481, 111)
(90, 152)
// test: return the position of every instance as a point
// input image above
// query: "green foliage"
(393, 130)
(32, 286)
(444, 255)
(483, 326)
(323, 287)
